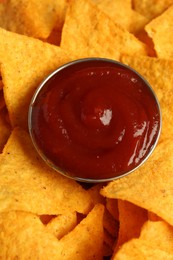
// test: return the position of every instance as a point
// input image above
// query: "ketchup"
(95, 119)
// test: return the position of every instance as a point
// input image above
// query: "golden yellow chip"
(25, 63)
(28, 184)
(151, 8)
(160, 30)
(24, 235)
(151, 185)
(155, 242)
(127, 17)
(32, 18)
(131, 219)
(86, 240)
(89, 32)
(62, 224)
(158, 73)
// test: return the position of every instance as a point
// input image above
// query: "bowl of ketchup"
(94, 120)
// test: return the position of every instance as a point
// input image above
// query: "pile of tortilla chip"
(44, 215)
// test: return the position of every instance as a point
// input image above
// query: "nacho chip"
(131, 219)
(86, 240)
(28, 184)
(158, 72)
(32, 18)
(151, 8)
(62, 224)
(155, 242)
(150, 186)
(160, 30)
(89, 32)
(127, 17)
(23, 235)
(25, 63)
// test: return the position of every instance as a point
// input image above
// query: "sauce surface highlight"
(95, 120)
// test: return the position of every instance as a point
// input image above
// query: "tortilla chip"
(151, 185)
(28, 184)
(158, 72)
(129, 19)
(62, 224)
(25, 63)
(88, 32)
(23, 235)
(131, 219)
(32, 18)
(151, 8)
(86, 240)
(155, 242)
(160, 30)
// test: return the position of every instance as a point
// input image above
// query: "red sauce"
(95, 120)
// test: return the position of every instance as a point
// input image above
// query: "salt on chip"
(129, 19)
(151, 8)
(151, 185)
(155, 242)
(131, 219)
(62, 224)
(28, 184)
(25, 62)
(32, 18)
(160, 30)
(87, 32)
(22, 234)
(158, 72)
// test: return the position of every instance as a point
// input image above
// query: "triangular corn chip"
(89, 32)
(25, 62)
(28, 184)
(24, 235)
(160, 30)
(151, 185)
(32, 18)
(151, 8)
(155, 242)
(129, 19)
